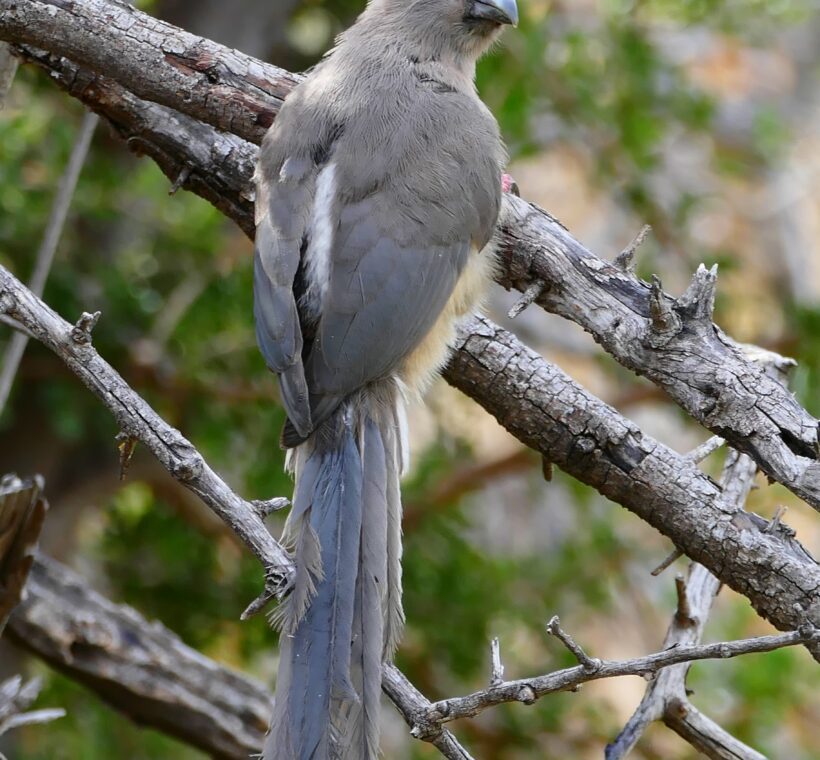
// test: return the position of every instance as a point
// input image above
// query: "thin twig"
(625, 260)
(589, 664)
(48, 246)
(569, 679)
(496, 666)
(531, 295)
(673, 556)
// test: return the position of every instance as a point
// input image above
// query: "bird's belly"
(420, 367)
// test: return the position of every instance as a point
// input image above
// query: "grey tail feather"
(343, 616)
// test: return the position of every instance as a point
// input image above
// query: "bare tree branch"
(549, 412)
(48, 246)
(139, 667)
(676, 346)
(139, 421)
(528, 690)
(145, 671)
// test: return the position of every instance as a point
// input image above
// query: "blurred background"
(699, 117)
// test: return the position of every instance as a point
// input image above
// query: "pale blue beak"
(500, 11)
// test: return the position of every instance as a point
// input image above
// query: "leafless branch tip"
(625, 260)
(589, 664)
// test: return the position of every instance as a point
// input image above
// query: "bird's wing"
(390, 277)
(283, 207)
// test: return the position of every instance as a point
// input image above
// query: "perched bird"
(378, 189)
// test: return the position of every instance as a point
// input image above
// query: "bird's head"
(468, 27)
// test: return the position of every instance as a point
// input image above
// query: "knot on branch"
(81, 332)
(187, 468)
(424, 727)
(7, 303)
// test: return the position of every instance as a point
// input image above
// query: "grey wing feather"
(282, 215)
(383, 297)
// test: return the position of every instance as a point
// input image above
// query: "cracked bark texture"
(690, 358)
(544, 409)
(549, 412)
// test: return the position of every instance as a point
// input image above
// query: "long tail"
(343, 617)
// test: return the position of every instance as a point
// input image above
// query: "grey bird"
(378, 190)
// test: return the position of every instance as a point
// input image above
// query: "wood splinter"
(531, 294)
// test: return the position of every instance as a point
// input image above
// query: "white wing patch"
(320, 237)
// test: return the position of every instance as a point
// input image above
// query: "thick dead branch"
(139, 667)
(228, 89)
(692, 360)
(145, 671)
(141, 422)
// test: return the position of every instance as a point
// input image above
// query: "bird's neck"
(392, 31)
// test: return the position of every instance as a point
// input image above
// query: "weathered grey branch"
(690, 358)
(144, 670)
(139, 421)
(528, 690)
(48, 246)
(412, 704)
(666, 697)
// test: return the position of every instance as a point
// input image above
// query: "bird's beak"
(500, 11)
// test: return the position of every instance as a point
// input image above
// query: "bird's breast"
(421, 366)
